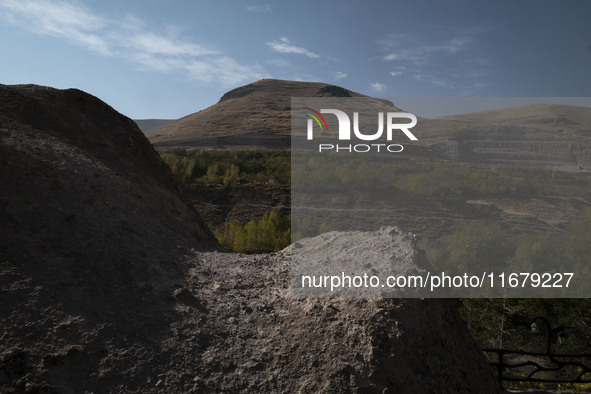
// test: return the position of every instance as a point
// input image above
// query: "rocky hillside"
(111, 283)
(552, 118)
(93, 232)
(257, 114)
(545, 136)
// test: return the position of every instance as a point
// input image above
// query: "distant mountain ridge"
(256, 114)
(547, 136)
(557, 118)
(148, 126)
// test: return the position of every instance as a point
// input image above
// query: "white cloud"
(264, 8)
(284, 45)
(391, 56)
(59, 19)
(451, 59)
(340, 75)
(406, 47)
(378, 87)
(147, 42)
(129, 39)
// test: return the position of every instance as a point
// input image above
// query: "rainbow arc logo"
(317, 117)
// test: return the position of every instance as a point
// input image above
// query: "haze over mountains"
(258, 115)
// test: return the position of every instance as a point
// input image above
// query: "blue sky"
(167, 59)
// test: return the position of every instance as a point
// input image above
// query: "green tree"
(231, 175)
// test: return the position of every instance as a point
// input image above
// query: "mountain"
(545, 136)
(551, 118)
(148, 126)
(257, 114)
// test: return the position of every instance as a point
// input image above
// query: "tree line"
(227, 167)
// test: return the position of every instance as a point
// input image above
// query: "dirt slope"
(93, 232)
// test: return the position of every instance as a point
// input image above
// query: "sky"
(167, 59)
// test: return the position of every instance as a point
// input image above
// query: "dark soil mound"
(93, 232)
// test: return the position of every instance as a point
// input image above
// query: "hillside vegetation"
(228, 167)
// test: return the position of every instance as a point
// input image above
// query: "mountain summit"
(257, 114)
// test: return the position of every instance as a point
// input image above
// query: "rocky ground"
(240, 329)
(231, 325)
